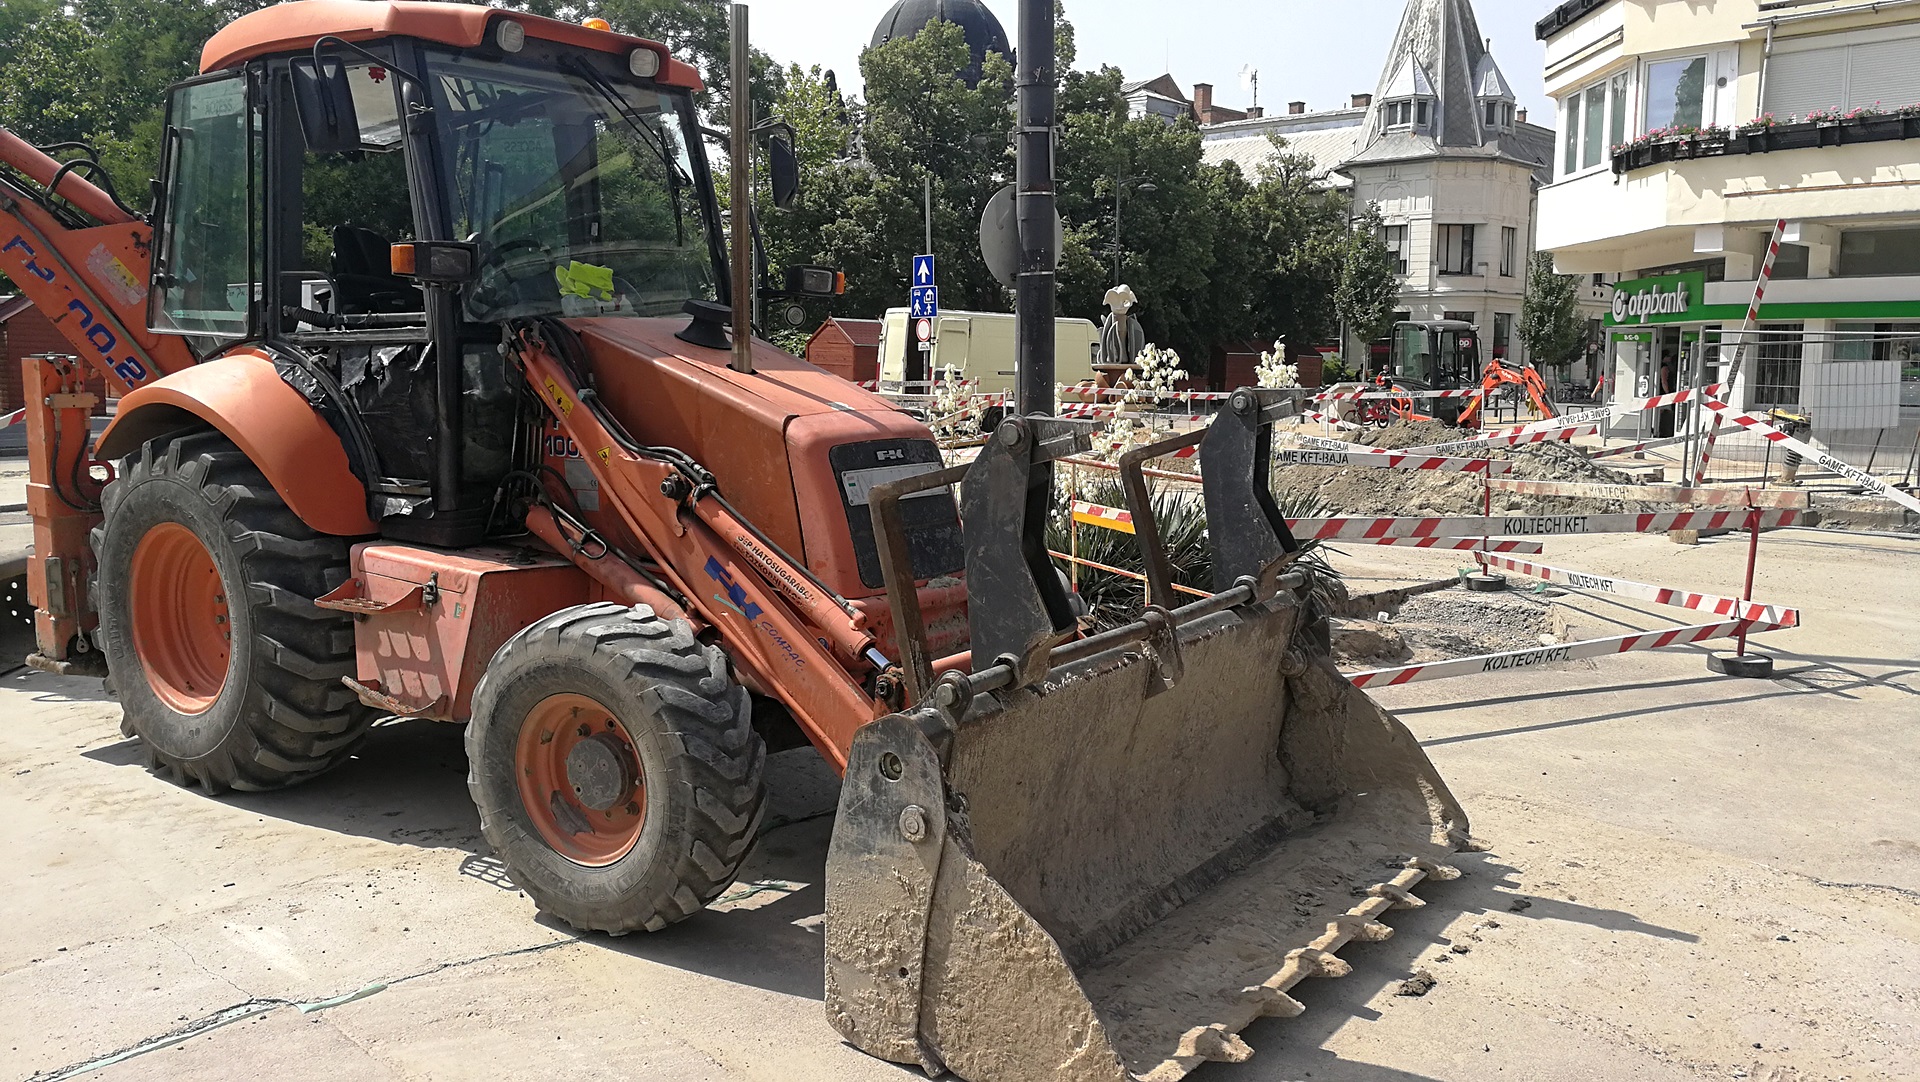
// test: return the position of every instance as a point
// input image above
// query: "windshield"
(580, 191)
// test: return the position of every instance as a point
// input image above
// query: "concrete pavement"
(1685, 877)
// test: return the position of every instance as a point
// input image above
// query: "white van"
(979, 346)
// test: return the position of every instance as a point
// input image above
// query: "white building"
(1443, 151)
(1687, 130)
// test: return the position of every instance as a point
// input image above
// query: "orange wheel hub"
(181, 627)
(580, 779)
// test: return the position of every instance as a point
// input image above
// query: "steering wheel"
(499, 277)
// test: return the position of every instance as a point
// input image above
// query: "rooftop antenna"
(1250, 82)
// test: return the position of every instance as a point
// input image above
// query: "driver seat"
(363, 281)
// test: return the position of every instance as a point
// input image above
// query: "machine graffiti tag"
(736, 594)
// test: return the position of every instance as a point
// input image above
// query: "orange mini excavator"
(492, 443)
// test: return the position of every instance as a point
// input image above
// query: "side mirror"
(324, 100)
(435, 262)
(808, 281)
(785, 171)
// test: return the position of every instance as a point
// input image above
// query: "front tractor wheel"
(616, 768)
(225, 668)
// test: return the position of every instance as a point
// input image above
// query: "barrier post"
(1741, 663)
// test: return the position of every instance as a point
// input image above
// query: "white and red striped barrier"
(1115, 518)
(1354, 396)
(1679, 494)
(1731, 607)
(1377, 529)
(1486, 664)
(1328, 419)
(1643, 445)
(1507, 439)
(1358, 456)
(14, 418)
(1853, 473)
(1747, 327)
(1662, 401)
(1366, 529)
(1460, 544)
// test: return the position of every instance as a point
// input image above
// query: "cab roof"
(295, 26)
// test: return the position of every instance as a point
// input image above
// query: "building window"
(1502, 333)
(1676, 92)
(1868, 252)
(1456, 249)
(1776, 368)
(1793, 261)
(1420, 113)
(1509, 242)
(1844, 77)
(1593, 120)
(1395, 239)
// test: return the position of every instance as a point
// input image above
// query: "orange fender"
(242, 396)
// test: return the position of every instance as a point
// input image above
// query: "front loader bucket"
(1107, 869)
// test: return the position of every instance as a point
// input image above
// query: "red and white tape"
(1731, 607)
(1373, 457)
(1753, 424)
(1661, 401)
(1353, 396)
(1506, 439)
(1489, 664)
(1364, 529)
(14, 418)
(1114, 518)
(1460, 544)
(1328, 419)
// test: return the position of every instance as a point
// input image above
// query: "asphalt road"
(1686, 877)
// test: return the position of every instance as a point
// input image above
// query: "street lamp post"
(1120, 183)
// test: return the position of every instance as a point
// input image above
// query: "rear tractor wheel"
(616, 767)
(225, 668)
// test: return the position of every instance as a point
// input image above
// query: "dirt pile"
(1355, 490)
(1449, 624)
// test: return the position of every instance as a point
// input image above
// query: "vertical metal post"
(1753, 557)
(1118, 183)
(740, 193)
(926, 197)
(1034, 209)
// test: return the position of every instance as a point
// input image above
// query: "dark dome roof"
(984, 32)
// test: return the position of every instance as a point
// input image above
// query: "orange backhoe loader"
(485, 442)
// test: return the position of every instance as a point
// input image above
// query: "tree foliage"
(1215, 256)
(1551, 325)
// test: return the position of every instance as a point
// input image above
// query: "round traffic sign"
(923, 329)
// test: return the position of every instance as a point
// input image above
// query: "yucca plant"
(1182, 516)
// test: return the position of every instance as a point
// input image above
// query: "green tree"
(1369, 283)
(1551, 325)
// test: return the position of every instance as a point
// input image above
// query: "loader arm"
(90, 280)
(84, 260)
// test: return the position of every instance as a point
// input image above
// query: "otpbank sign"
(1669, 298)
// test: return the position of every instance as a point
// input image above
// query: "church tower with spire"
(1446, 157)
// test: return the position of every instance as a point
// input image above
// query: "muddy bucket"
(1108, 870)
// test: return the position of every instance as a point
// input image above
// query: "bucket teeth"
(1402, 898)
(1435, 870)
(1318, 963)
(1215, 1043)
(1271, 1002)
(1360, 929)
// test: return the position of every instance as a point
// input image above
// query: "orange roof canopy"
(297, 25)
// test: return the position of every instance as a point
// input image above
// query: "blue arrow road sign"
(922, 271)
(925, 302)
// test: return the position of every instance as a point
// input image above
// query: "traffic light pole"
(1034, 208)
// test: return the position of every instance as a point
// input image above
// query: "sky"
(1317, 51)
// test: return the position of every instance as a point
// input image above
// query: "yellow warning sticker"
(606, 454)
(559, 397)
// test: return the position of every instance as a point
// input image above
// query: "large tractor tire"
(616, 767)
(224, 666)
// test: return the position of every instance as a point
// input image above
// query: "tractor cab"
(1434, 355)
(379, 204)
